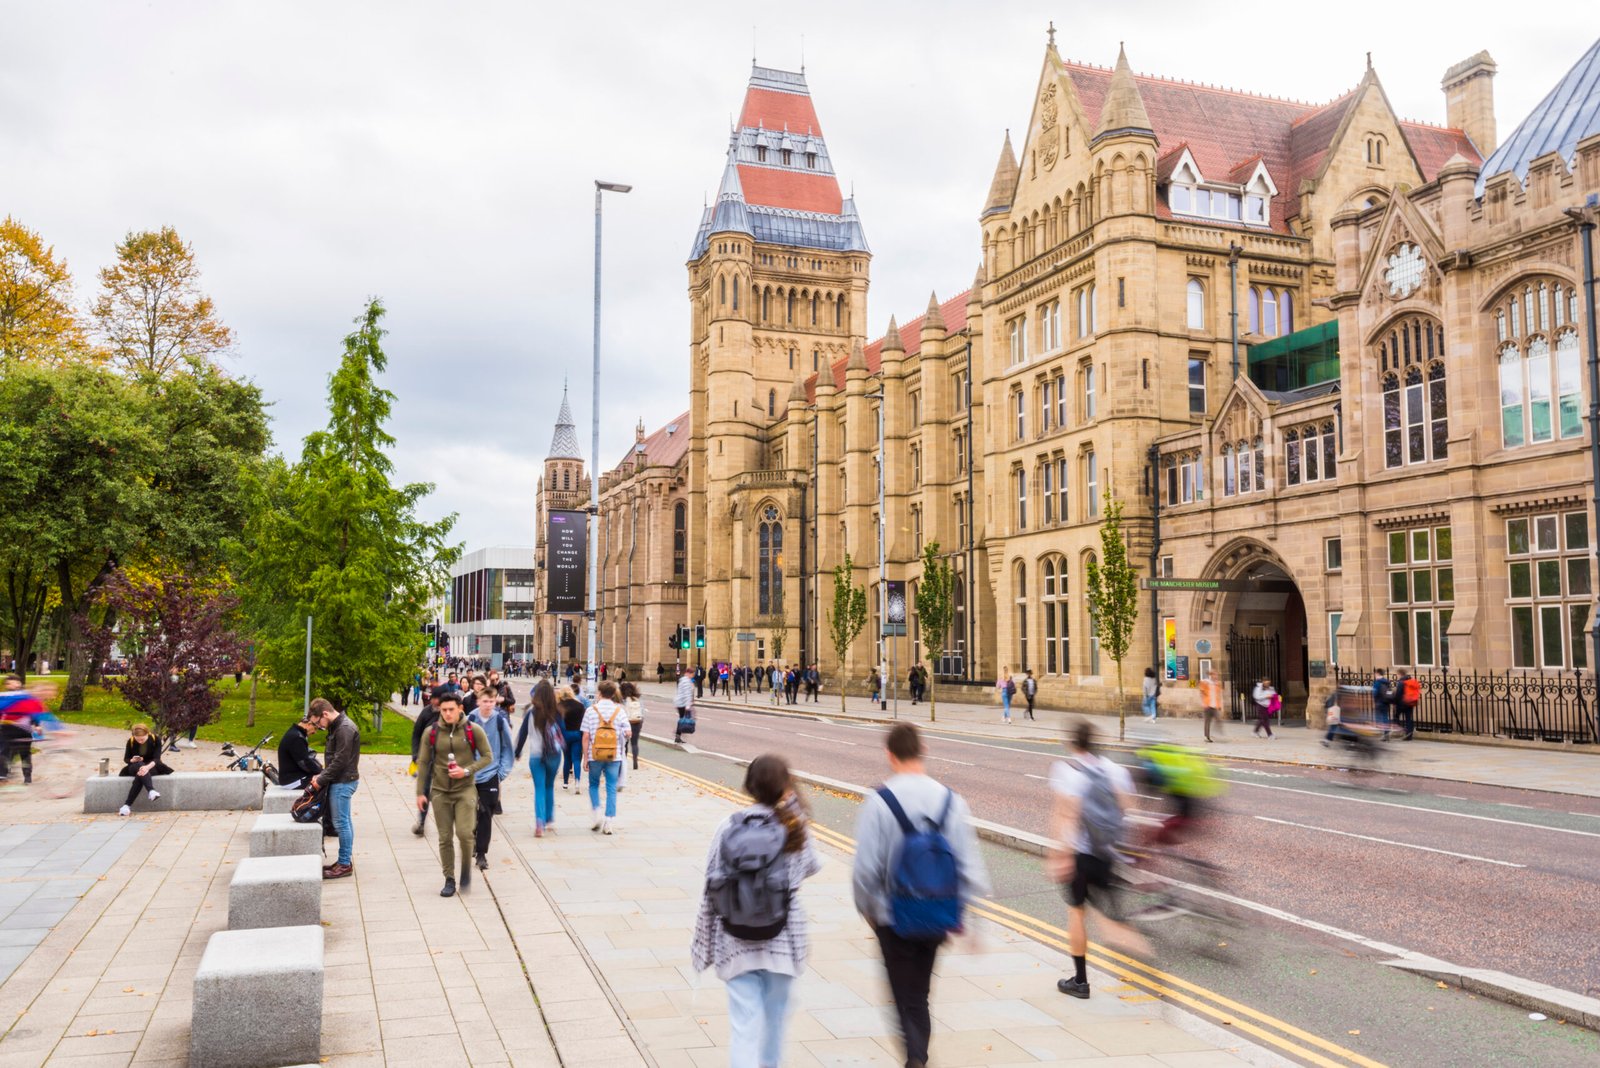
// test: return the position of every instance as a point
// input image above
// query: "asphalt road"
(1479, 876)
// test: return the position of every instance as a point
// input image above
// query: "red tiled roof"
(953, 312)
(662, 449)
(774, 110)
(795, 190)
(1223, 127)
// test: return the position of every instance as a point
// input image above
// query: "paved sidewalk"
(572, 949)
(1576, 772)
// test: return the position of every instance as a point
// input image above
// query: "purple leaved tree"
(174, 630)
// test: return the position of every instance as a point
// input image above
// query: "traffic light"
(699, 635)
(683, 636)
(432, 631)
(676, 641)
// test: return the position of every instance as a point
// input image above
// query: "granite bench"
(275, 892)
(182, 791)
(258, 999)
(278, 800)
(280, 836)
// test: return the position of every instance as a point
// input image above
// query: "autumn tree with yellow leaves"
(151, 313)
(38, 323)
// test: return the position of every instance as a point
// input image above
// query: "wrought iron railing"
(1527, 706)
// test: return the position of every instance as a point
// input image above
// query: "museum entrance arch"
(1261, 617)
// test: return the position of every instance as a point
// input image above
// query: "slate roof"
(564, 443)
(664, 448)
(1225, 129)
(1570, 113)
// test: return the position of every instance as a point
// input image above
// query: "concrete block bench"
(275, 892)
(182, 791)
(258, 999)
(278, 800)
(281, 836)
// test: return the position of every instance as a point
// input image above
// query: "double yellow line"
(1310, 1048)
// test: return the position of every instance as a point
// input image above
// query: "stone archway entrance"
(1261, 618)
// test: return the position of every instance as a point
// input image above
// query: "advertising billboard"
(566, 561)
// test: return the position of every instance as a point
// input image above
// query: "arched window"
(1053, 609)
(566, 480)
(680, 541)
(1020, 587)
(1330, 450)
(772, 402)
(1286, 311)
(1269, 313)
(1229, 472)
(1255, 311)
(1244, 467)
(722, 290)
(814, 305)
(838, 311)
(791, 306)
(1291, 453)
(1311, 451)
(770, 563)
(1541, 381)
(1415, 407)
(735, 294)
(1089, 563)
(766, 304)
(1261, 463)
(1197, 305)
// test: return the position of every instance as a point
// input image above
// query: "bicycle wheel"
(60, 771)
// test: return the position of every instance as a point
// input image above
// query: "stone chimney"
(1469, 100)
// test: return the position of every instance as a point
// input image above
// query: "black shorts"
(1090, 872)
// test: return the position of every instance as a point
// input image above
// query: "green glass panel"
(1521, 580)
(1522, 637)
(1424, 625)
(1422, 587)
(1550, 644)
(1511, 425)
(1447, 584)
(1401, 637)
(1398, 593)
(1571, 421)
(1442, 545)
(1577, 530)
(1444, 636)
(1549, 578)
(1419, 546)
(1517, 537)
(1578, 577)
(1397, 547)
(1579, 614)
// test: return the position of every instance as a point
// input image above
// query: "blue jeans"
(544, 770)
(570, 768)
(758, 1009)
(607, 769)
(340, 793)
(1005, 703)
(1150, 705)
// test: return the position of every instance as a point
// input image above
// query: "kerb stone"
(258, 999)
(281, 836)
(275, 892)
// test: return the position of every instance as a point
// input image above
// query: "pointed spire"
(730, 214)
(1004, 185)
(564, 443)
(1124, 107)
(975, 294)
(933, 304)
(798, 393)
(891, 339)
(858, 359)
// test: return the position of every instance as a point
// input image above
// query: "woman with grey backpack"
(751, 927)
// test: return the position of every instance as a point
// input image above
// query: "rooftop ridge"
(1196, 85)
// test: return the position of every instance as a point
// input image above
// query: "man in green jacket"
(455, 799)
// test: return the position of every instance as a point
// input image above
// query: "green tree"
(333, 539)
(846, 618)
(1113, 595)
(778, 633)
(935, 612)
(151, 312)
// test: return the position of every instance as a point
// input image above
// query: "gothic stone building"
(564, 486)
(1157, 248)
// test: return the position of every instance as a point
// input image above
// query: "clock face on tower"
(1405, 271)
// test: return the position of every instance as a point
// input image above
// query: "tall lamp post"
(590, 682)
(1587, 217)
(883, 568)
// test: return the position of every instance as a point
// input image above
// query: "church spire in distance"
(564, 445)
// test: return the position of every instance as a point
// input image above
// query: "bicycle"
(60, 764)
(250, 760)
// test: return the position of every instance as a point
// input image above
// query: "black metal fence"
(1250, 660)
(1527, 706)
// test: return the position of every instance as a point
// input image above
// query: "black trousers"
(488, 808)
(910, 968)
(633, 741)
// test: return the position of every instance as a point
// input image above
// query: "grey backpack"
(1099, 815)
(751, 893)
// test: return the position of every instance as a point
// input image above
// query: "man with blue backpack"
(1087, 824)
(917, 865)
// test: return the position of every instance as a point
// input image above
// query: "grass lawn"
(276, 708)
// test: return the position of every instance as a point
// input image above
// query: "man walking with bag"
(341, 774)
(916, 866)
(455, 800)
(685, 703)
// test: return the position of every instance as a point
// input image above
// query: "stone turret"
(1004, 184)
(1123, 111)
(1469, 100)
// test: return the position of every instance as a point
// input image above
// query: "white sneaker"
(605, 826)
(188, 743)
(598, 820)
(124, 811)
(154, 795)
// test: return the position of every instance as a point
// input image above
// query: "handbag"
(685, 724)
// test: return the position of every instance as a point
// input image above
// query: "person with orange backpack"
(1410, 695)
(605, 725)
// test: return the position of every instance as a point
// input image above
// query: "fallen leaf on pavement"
(1313, 971)
(1442, 985)
(1355, 1032)
(127, 990)
(91, 1032)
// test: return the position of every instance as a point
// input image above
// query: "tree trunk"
(933, 705)
(250, 719)
(78, 651)
(1122, 708)
(96, 662)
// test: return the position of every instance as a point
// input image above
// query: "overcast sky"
(441, 156)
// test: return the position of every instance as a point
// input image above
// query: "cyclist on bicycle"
(1186, 780)
(20, 711)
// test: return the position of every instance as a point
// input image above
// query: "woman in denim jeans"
(572, 726)
(543, 724)
(758, 974)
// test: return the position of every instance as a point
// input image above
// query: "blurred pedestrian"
(542, 732)
(1211, 700)
(453, 797)
(1263, 697)
(572, 724)
(751, 927)
(496, 724)
(906, 830)
(1151, 689)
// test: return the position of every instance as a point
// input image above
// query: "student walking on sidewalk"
(1007, 688)
(455, 801)
(751, 927)
(341, 774)
(912, 811)
(496, 724)
(542, 727)
(605, 725)
(572, 725)
(685, 702)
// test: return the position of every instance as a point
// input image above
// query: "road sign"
(894, 630)
(1219, 585)
(746, 636)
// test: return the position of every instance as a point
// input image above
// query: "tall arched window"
(1286, 311)
(1541, 382)
(1261, 462)
(1415, 405)
(1254, 302)
(770, 563)
(1229, 472)
(772, 402)
(1053, 608)
(766, 305)
(1020, 589)
(722, 290)
(1243, 449)
(1197, 305)
(791, 306)
(680, 541)
(1089, 563)
(838, 311)
(814, 305)
(1291, 453)
(735, 294)
(566, 480)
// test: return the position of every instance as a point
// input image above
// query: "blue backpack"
(925, 886)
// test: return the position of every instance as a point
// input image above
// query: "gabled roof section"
(664, 448)
(1570, 113)
(779, 163)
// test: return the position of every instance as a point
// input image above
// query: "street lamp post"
(883, 572)
(594, 444)
(1586, 218)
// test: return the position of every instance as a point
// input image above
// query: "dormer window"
(1255, 208)
(761, 153)
(811, 160)
(787, 157)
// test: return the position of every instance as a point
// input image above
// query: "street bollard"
(105, 766)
